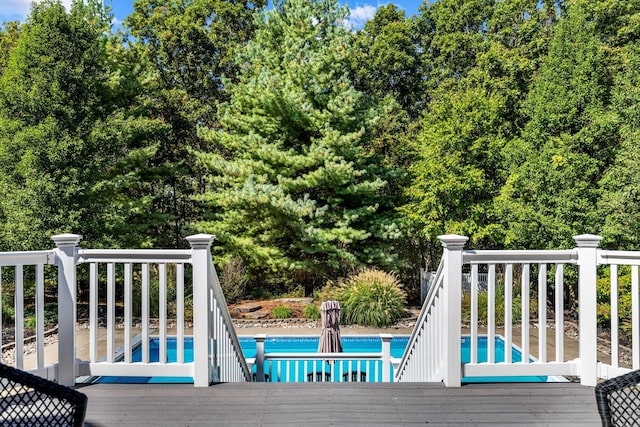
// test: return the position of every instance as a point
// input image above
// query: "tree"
(293, 186)
(387, 62)
(51, 91)
(567, 145)
(8, 39)
(480, 59)
(186, 46)
(619, 201)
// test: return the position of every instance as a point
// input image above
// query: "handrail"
(228, 322)
(134, 256)
(618, 257)
(27, 258)
(520, 256)
(323, 356)
(422, 317)
(19, 260)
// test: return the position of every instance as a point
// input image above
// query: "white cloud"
(359, 15)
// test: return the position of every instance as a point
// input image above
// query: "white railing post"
(587, 248)
(386, 357)
(452, 256)
(67, 245)
(201, 257)
(260, 339)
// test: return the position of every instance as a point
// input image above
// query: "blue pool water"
(290, 344)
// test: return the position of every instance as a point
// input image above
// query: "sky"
(361, 10)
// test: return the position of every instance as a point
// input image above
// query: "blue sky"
(361, 10)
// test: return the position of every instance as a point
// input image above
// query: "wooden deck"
(317, 404)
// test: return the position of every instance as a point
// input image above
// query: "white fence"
(525, 302)
(530, 289)
(12, 274)
(323, 367)
(122, 280)
(433, 351)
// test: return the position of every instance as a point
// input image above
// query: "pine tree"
(183, 47)
(293, 186)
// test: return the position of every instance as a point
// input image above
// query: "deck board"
(316, 404)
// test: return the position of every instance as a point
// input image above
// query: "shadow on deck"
(345, 404)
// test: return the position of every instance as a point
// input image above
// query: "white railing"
(122, 280)
(525, 274)
(216, 352)
(12, 294)
(126, 272)
(230, 363)
(530, 286)
(419, 364)
(323, 367)
(526, 293)
(433, 350)
(616, 261)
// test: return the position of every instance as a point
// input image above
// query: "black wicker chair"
(618, 400)
(28, 400)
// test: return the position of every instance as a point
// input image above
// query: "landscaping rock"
(247, 308)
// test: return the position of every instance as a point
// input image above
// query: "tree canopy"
(310, 148)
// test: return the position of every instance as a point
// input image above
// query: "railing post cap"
(453, 241)
(68, 239)
(200, 241)
(386, 337)
(260, 337)
(587, 240)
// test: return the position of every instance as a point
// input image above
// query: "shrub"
(603, 307)
(311, 311)
(30, 322)
(329, 292)
(292, 291)
(8, 311)
(371, 298)
(281, 312)
(483, 304)
(234, 279)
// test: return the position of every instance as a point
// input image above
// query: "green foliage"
(293, 292)
(481, 59)
(52, 91)
(499, 304)
(30, 322)
(176, 56)
(311, 311)
(9, 34)
(292, 186)
(549, 196)
(603, 289)
(8, 312)
(619, 202)
(387, 61)
(514, 122)
(329, 292)
(234, 279)
(370, 298)
(281, 312)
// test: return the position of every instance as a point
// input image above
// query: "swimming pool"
(351, 344)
